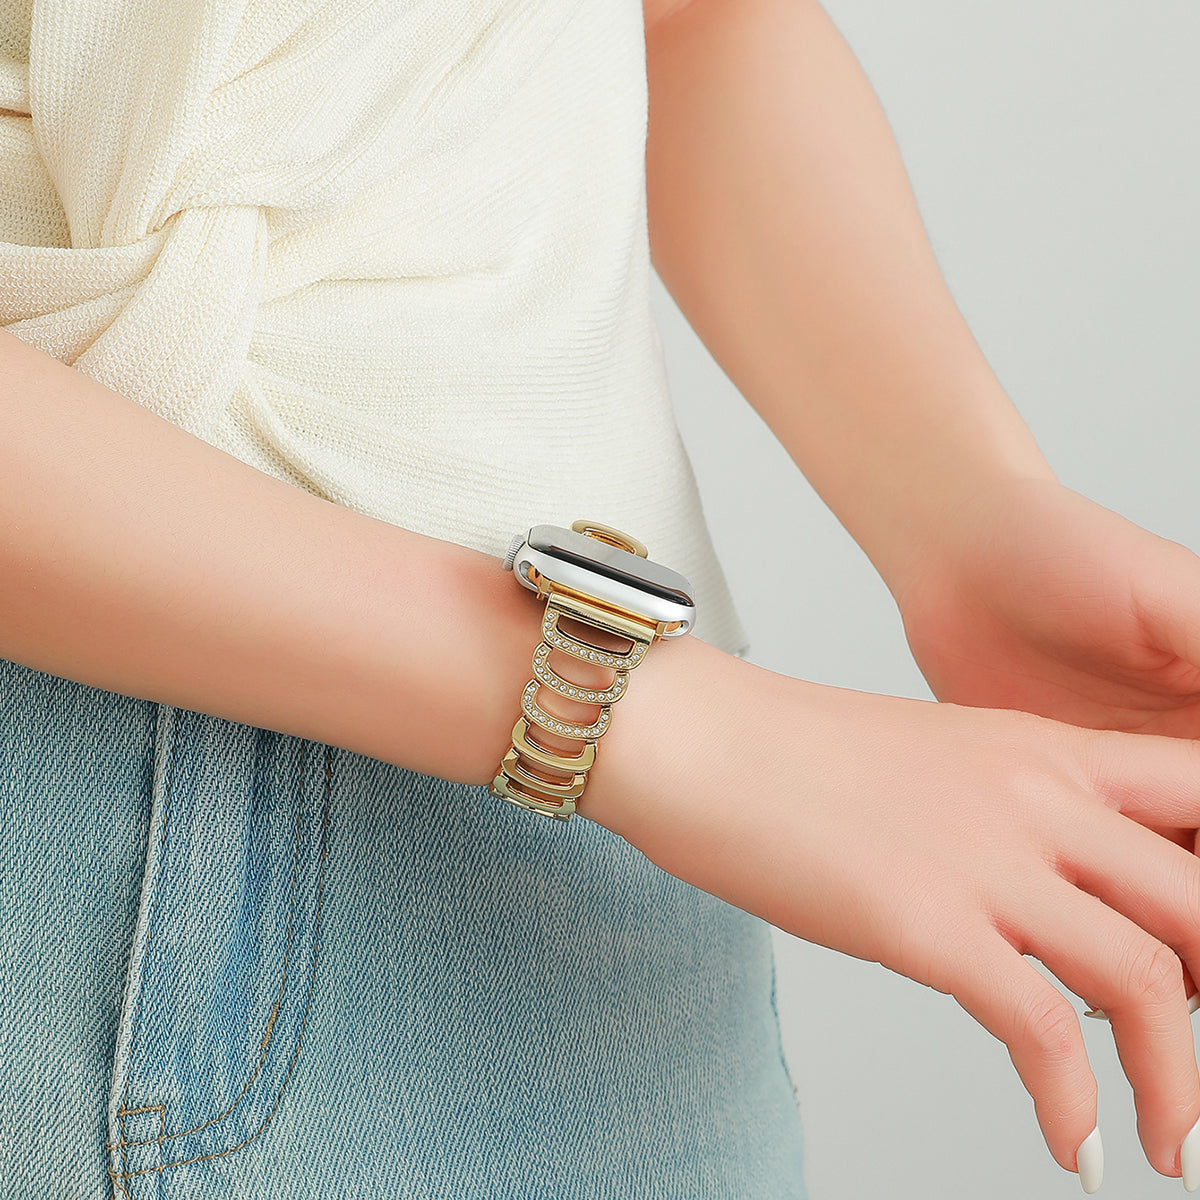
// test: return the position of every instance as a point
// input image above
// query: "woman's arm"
(783, 223)
(782, 220)
(941, 841)
(138, 558)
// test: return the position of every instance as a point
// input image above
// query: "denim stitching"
(119, 1177)
(122, 1113)
(779, 1031)
(137, 1012)
(307, 1003)
(133, 1112)
(270, 1028)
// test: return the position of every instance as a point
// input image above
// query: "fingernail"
(1189, 1158)
(1089, 1161)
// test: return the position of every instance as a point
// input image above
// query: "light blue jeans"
(238, 963)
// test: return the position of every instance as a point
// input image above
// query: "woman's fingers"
(1170, 608)
(1193, 1001)
(1155, 781)
(1116, 920)
(1014, 1002)
(1122, 864)
(1155, 883)
(1105, 957)
(1153, 778)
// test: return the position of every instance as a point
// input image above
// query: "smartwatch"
(602, 579)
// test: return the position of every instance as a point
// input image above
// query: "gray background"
(1053, 147)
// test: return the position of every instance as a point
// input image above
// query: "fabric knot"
(93, 308)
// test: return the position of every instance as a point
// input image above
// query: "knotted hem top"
(393, 252)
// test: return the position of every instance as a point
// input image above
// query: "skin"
(783, 223)
(944, 840)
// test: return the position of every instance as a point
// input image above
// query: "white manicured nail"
(1193, 1004)
(1089, 1161)
(1189, 1158)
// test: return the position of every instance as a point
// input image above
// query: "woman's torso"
(393, 253)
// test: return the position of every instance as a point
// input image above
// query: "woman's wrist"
(676, 730)
(914, 519)
(945, 545)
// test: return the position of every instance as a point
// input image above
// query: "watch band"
(556, 796)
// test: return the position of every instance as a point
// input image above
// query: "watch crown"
(518, 540)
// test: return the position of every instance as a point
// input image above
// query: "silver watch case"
(614, 576)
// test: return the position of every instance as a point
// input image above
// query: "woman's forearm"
(783, 223)
(138, 558)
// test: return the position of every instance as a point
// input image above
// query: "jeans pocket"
(226, 944)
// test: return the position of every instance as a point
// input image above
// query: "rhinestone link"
(546, 674)
(555, 638)
(530, 708)
(514, 782)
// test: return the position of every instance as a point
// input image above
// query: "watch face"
(610, 561)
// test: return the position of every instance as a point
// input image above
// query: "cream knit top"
(392, 251)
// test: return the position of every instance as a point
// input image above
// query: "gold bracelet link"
(514, 781)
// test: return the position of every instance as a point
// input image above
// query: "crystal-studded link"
(638, 632)
(551, 678)
(529, 706)
(567, 763)
(514, 782)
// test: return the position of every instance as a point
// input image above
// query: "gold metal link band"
(557, 780)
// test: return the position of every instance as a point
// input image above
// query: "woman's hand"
(944, 842)
(1040, 599)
